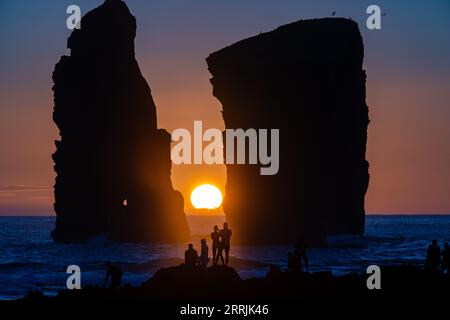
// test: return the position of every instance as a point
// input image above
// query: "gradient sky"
(408, 89)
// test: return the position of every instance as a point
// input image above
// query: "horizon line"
(222, 214)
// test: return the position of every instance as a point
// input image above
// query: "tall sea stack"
(112, 163)
(306, 79)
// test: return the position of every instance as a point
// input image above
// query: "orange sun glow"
(206, 196)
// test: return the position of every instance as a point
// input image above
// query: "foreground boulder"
(184, 282)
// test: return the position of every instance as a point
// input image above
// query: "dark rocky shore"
(224, 284)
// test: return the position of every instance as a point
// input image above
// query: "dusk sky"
(408, 89)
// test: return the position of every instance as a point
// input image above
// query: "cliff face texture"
(112, 163)
(306, 79)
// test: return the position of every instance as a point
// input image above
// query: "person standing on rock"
(215, 237)
(115, 273)
(225, 236)
(191, 256)
(204, 255)
(300, 253)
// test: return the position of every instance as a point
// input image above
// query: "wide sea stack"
(305, 79)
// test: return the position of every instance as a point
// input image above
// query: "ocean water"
(30, 260)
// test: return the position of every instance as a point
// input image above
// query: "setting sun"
(206, 196)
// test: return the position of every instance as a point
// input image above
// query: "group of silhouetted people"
(438, 259)
(191, 258)
(220, 243)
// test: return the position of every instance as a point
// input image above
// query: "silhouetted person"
(433, 259)
(115, 273)
(445, 266)
(191, 256)
(215, 237)
(293, 262)
(300, 252)
(274, 271)
(204, 254)
(225, 236)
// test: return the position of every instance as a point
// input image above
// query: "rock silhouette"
(306, 79)
(217, 283)
(112, 163)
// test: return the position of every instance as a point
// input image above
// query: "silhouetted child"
(115, 273)
(433, 259)
(215, 237)
(204, 254)
(225, 236)
(445, 266)
(191, 256)
(300, 252)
